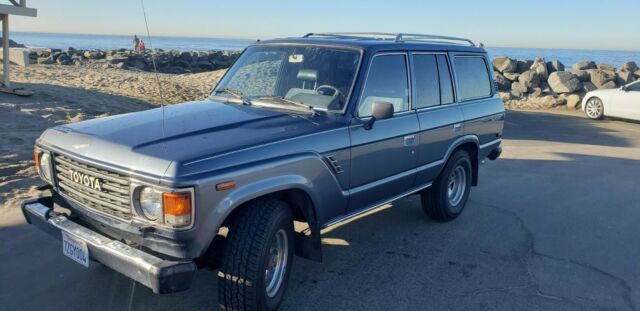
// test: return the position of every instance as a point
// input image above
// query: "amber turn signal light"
(226, 185)
(177, 208)
(36, 158)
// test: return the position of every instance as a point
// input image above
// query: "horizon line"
(276, 37)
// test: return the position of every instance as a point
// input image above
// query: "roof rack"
(397, 37)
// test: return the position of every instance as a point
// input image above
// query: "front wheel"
(594, 108)
(257, 257)
(447, 197)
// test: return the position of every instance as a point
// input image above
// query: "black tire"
(242, 273)
(436, 201)
(594, 108)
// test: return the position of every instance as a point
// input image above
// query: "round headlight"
(45, 166)
(151, 203)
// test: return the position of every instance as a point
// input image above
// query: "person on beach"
(136, 43)
(141, 46)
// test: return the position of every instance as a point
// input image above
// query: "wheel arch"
(293, 190)
(470, 144)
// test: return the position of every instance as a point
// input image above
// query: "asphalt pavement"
(553, 225)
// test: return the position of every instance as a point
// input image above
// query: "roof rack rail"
(397, 37)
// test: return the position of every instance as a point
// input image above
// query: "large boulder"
(184, 57)
(117, 59)
(555, 65)
(529, 78)
(524, 65)
(584, 65)
(624, 77)
(503, 83)
(63, 59)
(518, 89)
(606, 67)
(205, 65)
(588, 87)
(505, 64)
(544, 86)
(637, 73)
(630, 67)
(573, 101)
(505, 96)
(540, 67)
(535, 92)
(601, 77)
(583, 75)
(46, 60)
(609, 85)
(511, 76)
(43, 53)
(546, 102)
(564, 82)
(96, 54)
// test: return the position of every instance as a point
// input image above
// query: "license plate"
(75, 249)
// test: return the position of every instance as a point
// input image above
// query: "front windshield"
(318, 77)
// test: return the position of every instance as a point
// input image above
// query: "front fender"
(306, 172)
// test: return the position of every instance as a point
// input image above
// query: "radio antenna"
(153, 61)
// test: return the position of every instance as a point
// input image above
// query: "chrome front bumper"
(160, 275)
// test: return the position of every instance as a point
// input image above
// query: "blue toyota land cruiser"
(317, 129)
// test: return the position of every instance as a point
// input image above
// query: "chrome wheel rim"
(593, 108)
(457, 186)
(276, 263)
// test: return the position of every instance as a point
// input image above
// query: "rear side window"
(472, 77)
(427, 84)
(386, 82)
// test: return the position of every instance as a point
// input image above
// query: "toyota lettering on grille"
(86, 180)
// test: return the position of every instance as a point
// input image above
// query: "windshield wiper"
(287, 101)
(235, 93)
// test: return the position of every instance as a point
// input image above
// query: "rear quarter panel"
(483, 117)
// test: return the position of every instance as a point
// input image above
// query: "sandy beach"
(64, 94)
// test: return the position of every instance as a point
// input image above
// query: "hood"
(148, 141)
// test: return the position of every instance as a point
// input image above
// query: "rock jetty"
(541, 84)
(174, 62)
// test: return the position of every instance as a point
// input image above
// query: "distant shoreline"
(64, 41)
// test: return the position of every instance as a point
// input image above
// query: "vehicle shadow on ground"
(545, 126)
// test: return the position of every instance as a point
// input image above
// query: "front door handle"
(409, 140)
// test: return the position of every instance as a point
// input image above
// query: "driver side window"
(387, 81)
(634, 87)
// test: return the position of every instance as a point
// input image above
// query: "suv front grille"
(95, 188)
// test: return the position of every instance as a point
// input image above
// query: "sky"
(579, 24)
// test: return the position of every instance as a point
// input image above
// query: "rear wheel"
(594, 108)
(257, 257)
(447, 197)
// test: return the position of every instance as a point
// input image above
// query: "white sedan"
(623, 102)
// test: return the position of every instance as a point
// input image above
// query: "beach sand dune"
(64, 94)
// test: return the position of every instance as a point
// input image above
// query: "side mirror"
(379, 111)
(624, 88)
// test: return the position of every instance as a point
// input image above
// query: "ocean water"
(569, 57)
(105, 42)
(84, 41)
